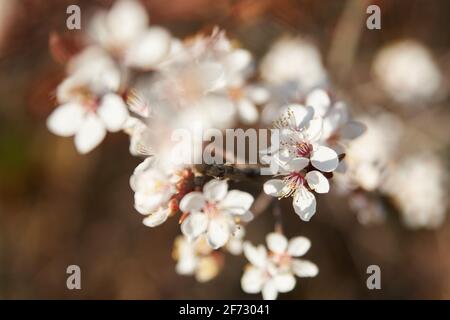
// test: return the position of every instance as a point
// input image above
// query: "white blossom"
(274, 271)
(407, 72)
(214, 212)
(89, 103)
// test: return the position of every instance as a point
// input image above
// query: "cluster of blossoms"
(141, 80)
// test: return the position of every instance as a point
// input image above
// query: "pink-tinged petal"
(194, 225)
(284, 282)
(298, 246)
(256, 255)
(237, 202)
(274, 187)
(66, 119)
(157, 218)
(319, 100)
(215, 190)
(219, 231)
(113, 111)
(276, 242)
(193, 201)
(252, 280)
(304, 268)
(149, 49)
(317, 181)
(304, 204)
(269, 290)
(324, 159)
(91, 133)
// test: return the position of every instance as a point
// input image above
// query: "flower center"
(303, 149)
(211, 209)
(292, 182)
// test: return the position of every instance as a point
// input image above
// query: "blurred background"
(59, 208)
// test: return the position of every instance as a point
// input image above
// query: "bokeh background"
(59, 208)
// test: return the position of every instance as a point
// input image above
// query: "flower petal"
(319, 100)
(269, 290)
(325, 159)
(274, 187)
(149, 49)
(237, 202)
(276, 242)
(256, 255)
(193, 201)
(284, 282)
(314, 130)
(298, 246)
(113, 112)
(247, 111)
(296, 164)
(252, 280)
(317, 181)
(304, 268)
(219, 231)
(66, 119)
(194, 225)
(299, 115)
(157, 218)
(215, 190)
(304, 204)
(90, 134)
(145, 203)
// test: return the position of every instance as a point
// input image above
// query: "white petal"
(317, 181)
(314, 130)
(284, 282)
(66, 119)
(237, 202)
(296, 164)
(90, 134)
(210, 76)
(325, 159)
(276, 242)
(215, 190)
(256, 255)
(304, 268)
(194, 225)
(274, 187)
(145, 203)
(113, 112)
(252, 280)
(247, 111)
(298, 246)
(218, 232)
(319, 100)
(149, 49)
(302, 115)
(352, 130)
(193, 201)
(157, 218)
(269, 291)
(304, 204)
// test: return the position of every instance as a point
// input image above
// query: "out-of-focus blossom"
(295, 63)
(418, 186)
(153, 189)
(273, 272)
(196, 258)
(214, 212)
(90, 103)
(124, 32)
(368, 156)
(236, 243)
(299, 154)
(407, 72)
